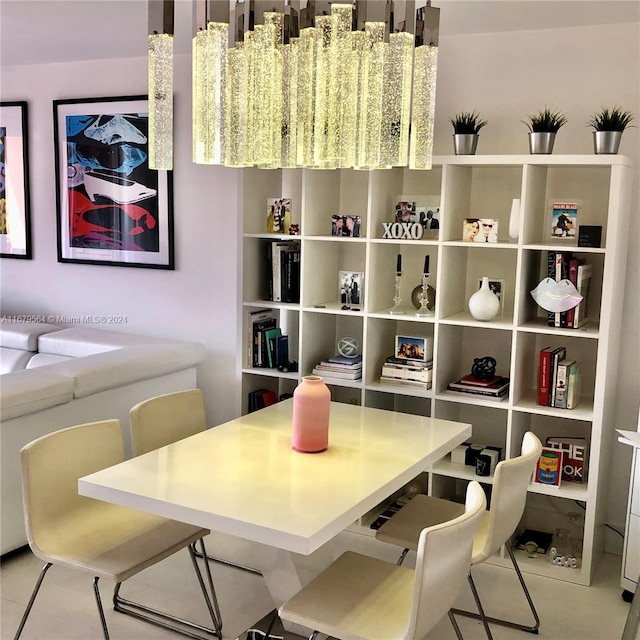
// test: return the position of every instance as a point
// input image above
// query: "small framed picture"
(405, 211)
(345, 226)
(497, 286)
(480, 230)
(278, 215)
(350, 290)
(411, 348)
(564, 219)
(429, 217)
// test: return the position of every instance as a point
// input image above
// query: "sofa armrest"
(24, 335)
(28, 391)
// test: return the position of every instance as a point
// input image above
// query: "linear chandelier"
(314, 84)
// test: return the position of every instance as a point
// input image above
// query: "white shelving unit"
(468, 186)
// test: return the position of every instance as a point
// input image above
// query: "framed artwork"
(15, 215)
(564, 219)
(411, 348)
(278, 215)
(345, 226)
(112, 209)
(350, 287)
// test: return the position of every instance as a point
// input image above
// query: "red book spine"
(544, 377)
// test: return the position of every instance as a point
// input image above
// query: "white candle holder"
(424, 299)
(397, 310)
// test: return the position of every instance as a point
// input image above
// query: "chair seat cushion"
(110, 541)
(404, 527)
(357, 597)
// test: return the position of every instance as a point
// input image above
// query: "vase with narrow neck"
(606, 142)
(484, 304)
(311, 406)
(465, 144)
(541, 141)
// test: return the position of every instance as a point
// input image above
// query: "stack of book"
(340, 367)
(407, 372)
(562, 265)
(495, 388)
(284, 264)
(260, 398)
(558, 379)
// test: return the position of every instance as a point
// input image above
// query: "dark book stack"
(562, 265)
(495, 388)
(340, 367)
(260, 398)
(284, 268)
(259, 323)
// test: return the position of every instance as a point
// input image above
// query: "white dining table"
(243, 478)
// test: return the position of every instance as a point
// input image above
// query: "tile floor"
(65, 608)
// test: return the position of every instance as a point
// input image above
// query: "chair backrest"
(159, 421)
(508, 497)
(442, 564)
(51, 466)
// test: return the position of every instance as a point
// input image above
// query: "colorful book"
(573, 393)
(574, 263)
(479, 382)
(561, 388)
(499, 387)
(559, 353)
(270, 336)
(544, 376)
(257, 321)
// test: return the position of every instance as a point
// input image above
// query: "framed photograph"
(15, 216)
(497, 286)
(405, 211)
(278, 215)
(112, 209)
(345, 226)
(350, 291)
(411, 348)
(564, 219)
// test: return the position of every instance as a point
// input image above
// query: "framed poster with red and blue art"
(112, 209)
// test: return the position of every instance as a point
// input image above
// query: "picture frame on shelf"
(278, 215)
(112, 209)
(15, 214)
(411, 348)
(497, 286)
(345, 226)
(564, 219)
(423, 209)
(350, 291)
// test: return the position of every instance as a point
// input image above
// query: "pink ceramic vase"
(311, 404)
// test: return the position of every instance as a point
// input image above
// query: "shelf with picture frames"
(457, 188)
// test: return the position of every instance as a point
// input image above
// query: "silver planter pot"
(541, 142)
(606, 141)
(464, 144)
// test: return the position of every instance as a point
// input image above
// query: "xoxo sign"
(401, 230)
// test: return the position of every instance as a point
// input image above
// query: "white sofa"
(54, 378)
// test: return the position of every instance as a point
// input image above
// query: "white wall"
(505, 76)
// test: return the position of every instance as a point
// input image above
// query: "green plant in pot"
(608, 125)
(543, 126)
(466, 127)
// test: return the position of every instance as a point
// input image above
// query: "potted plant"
(608, 126)
(543, 127)
(466, 127)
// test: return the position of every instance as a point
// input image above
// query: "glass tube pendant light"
(161, 84)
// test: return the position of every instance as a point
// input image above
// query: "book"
(564, 219)
(573, 393)
(583, 286)
(406, 373)
(479, 382)
(479, 394)
(574, 263)
(406, 383)
(549, 467)
(562, 383)
(499, 387)
(340, 367)
(281, 350)
(575, 456)
(412, 362)
(544, 376)
(270, 336)
(561, 273)
(330, 373)
(340, 359)
(558, 354)
(257, 322)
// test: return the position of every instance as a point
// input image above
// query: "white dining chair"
(363, 598)
(98, 538)
(499, 523)
(165, 419)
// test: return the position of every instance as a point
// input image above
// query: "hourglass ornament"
(397, 300)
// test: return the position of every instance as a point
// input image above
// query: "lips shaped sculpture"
(556, 296)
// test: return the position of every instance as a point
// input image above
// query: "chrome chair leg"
(481, 615)
(454, 624)
(228, 563)
(103, 620)
(403, 555)
(161, 619)
(27, 611)
(506, 623)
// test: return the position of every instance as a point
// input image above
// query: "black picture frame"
(111, 208)
(15, 204)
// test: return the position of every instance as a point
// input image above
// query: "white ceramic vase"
(514, 219)
(484, 304)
